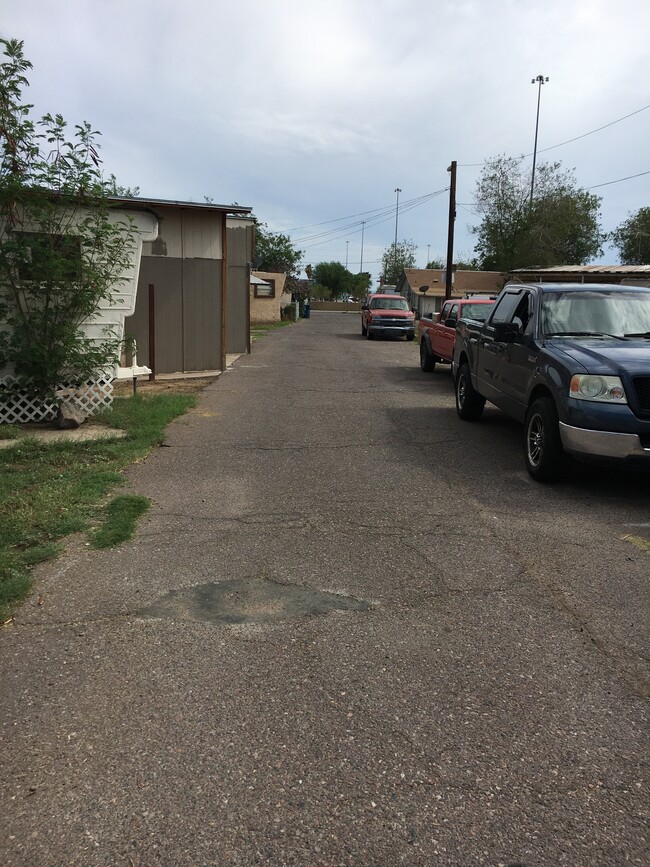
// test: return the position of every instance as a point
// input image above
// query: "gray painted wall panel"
(202, 314)
(166, 276)
(237, 315)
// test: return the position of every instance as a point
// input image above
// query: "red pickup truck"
(437, 336)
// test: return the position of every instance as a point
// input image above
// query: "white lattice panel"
(19, 407)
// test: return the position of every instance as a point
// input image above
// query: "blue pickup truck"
(571, 362)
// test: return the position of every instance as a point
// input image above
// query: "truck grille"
(642, 389)
(393, 323)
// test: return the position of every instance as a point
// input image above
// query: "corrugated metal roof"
(585, 269)
(161, 203)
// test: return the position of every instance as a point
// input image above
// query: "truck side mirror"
(451, 322)
(364, 306)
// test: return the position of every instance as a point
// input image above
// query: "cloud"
(292, 134)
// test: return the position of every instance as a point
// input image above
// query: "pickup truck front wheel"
(427, 361)
(469, 403)
(546, 460)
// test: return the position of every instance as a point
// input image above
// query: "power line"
(568, 141)
(618, 180)
(379, 212)
(352, 228)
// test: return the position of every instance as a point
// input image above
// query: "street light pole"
(398, 191)
(540, 80)
(363, 226)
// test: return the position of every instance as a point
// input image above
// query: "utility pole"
(428, 255)
(540, 80)
(363, 226)
(450, 233)
(347, 247)
(398, 191)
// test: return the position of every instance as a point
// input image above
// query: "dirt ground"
(185, 385)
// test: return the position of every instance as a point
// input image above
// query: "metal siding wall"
(240, 253)
(202, 314)
(166, 276)
(202, 234)
(170, 240)
(237, 313)
(185, 267)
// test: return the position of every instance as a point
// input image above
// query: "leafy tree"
(560, 228)
(335, 278)
(465, 262)
(115, 189)
(361, 284)
(632, 238)
(275, 252)
(61, 254)
(395, 259)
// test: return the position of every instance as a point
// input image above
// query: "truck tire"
(410, 336)
(363, 330)
(546, 460)
(369, 334)
(427, 361)
(469, 403)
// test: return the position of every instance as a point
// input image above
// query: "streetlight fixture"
(539, 81)
(398, 191)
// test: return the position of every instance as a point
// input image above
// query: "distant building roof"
(618, 270)
(638, 275)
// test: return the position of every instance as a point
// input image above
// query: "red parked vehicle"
(437, 336)
(385, 315)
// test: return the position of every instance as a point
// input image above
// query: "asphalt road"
(351, 631)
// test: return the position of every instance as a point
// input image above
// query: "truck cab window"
(505, 308)
(522, 315)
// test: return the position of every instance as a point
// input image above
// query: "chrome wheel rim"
(535, 440)
(462, 391)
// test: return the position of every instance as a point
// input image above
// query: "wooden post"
(224, 291)
(450, 232)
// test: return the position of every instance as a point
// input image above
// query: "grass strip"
(122, 514)
(258, 331)
(48, 491)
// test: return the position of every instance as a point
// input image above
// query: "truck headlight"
(588, 386)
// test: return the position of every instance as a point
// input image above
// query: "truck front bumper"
(603, 444)
(392, 330)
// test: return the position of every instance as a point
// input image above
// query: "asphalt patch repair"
(251, 600)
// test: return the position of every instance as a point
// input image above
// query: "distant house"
(424, 289)
(267, 296)
(192, 300)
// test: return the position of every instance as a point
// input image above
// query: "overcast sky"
(315, 111)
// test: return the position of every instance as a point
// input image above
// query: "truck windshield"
(397, 303)
(593, 313)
